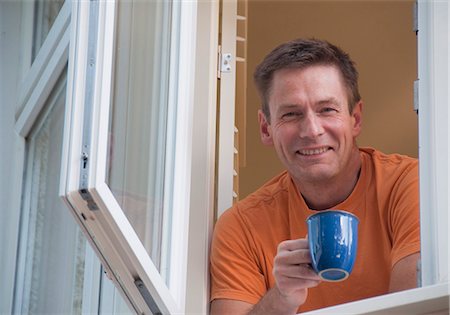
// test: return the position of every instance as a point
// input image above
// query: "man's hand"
(293, 276)
(293, 273)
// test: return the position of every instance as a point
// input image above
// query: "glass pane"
(139, 122)
(111, 301)
(50, 278)
(45, 13)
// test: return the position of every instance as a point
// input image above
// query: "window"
(433, 117)
(49, 278)
(127, 158)
(142, 99)
(142, 123)
(56, 270)
(30, 117)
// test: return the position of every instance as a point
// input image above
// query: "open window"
(128, 137)
(432, 97)
(141, 189)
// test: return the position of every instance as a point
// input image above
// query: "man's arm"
(293, 276)
(271, 303)
(404, 274)
(231, 307)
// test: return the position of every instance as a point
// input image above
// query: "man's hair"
(302, 53)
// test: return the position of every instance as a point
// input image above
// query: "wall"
(380, 39)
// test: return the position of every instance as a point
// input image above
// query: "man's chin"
(313, 175)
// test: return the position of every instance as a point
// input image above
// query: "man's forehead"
(299, 70)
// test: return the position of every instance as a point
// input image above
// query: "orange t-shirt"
(386, 201)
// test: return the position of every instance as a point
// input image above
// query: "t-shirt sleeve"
(234, 267)
(404, 215)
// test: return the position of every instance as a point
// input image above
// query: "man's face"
(310, 124)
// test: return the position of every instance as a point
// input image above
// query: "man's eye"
(290, 114)
(328, 110)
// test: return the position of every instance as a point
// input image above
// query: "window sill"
(431, 299)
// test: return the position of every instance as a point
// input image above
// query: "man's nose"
(310, 126)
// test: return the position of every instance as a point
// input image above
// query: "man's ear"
(264, 129)
(357, 118)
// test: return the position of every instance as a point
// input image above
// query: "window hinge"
(86, 195)
(415, 17)
(224, 62)
(147, 297)
(416, 96)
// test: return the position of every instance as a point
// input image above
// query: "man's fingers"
(291, 245)
(295, 257)
(290, 282)
(300, 271)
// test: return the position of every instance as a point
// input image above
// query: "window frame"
(37, 80)
(44, 72)
(434, 145)
(29, 86)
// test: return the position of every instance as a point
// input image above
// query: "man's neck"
(326, 195)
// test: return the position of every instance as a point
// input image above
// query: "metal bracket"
(419, 273)
(89, 105)
(225, 63)
(416, 96)
(415, 17)
(147, 297)
(86, 195)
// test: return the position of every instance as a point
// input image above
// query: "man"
(311, 113)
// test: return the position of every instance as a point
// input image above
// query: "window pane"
(139, 120)
(111, 302)
(51, 265)
(45, 13)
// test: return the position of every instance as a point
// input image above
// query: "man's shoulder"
(275, 189)
(392, 162)
(271, 196)
(262, 216)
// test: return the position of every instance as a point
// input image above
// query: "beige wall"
(379, 37)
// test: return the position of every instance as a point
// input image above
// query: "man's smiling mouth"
(317, 151)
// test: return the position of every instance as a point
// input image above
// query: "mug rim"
(333, 210)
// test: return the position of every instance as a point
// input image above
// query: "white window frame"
(33, 91)
(44, 72)
(434, 145)
(39, 78)
(111, 235)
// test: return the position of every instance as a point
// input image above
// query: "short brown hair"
(302, 53)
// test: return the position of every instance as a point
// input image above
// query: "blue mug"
(333, 242)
